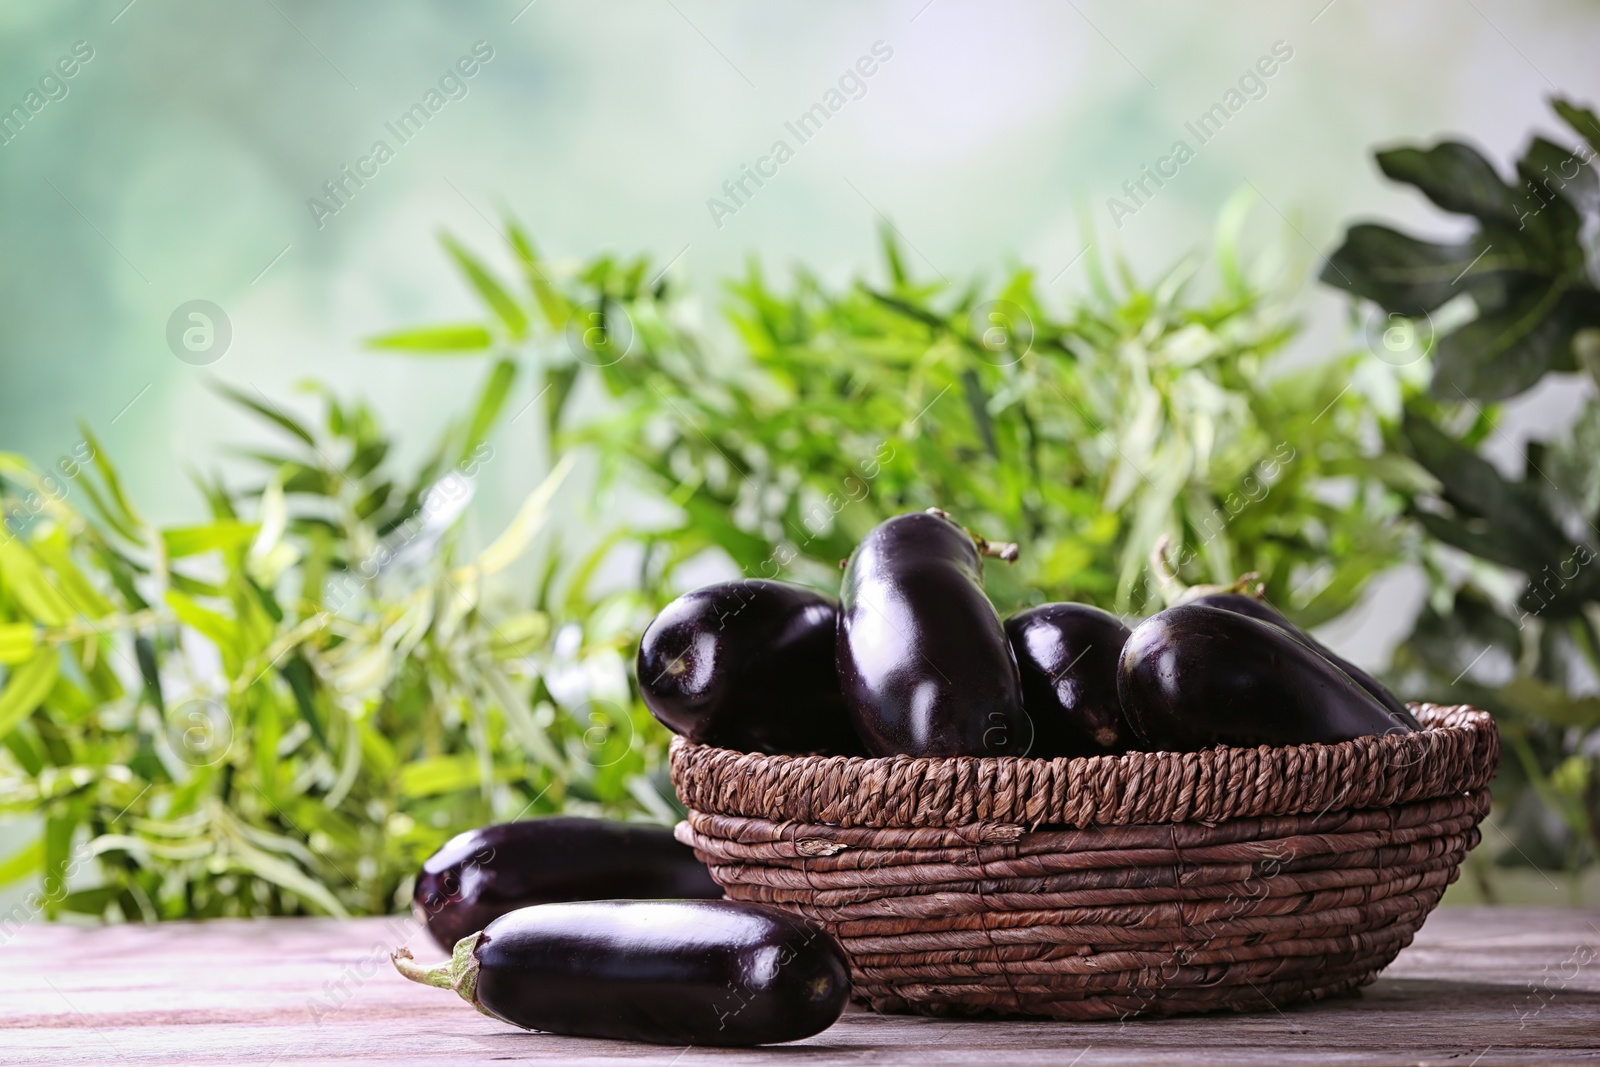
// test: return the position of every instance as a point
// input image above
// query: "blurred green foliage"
(286, 707)
(1513, 620)
(1085, 433)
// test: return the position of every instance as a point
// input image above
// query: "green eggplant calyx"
(459, 973)
(1174, 592)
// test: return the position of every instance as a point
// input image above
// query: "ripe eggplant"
(1195, 676)
(480, 875)
(1068, 656)
(748, 665)
(668, 972)
(923, 658)
(1257, 608)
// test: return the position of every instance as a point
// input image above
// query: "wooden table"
(1480, 986)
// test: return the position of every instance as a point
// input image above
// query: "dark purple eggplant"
(1068, 656)
(667, 972)
(482, 874)
(923, 658)
(748, 665)
(1195, 676)
(1257, 608)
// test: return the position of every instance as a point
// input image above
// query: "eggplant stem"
(438, 975)
(1172, 588)
(459, 972)
(1174, 592)
(1006, 551)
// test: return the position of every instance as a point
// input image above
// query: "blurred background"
(205, 153)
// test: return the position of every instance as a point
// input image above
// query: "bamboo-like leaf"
(511, 316)
(491, 402)
(516, 537)
(26, 687)
(464, 339)
(30, 586)
(440, 774)
(555, 307)
(113, 483)
(212, 537)
(220, 629)
(282, 873)
(18, 642)
(23, 862)
(273, 413)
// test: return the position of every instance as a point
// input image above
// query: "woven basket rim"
(1458, 751)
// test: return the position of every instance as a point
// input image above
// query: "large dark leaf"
(1411, 277)
(1456, 177)
(1511, 527)
(1580, 119)
(1505, 351)
(1449, 641)
(1560, 172)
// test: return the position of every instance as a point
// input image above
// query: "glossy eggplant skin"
(923, 658)
(482, 874)
(1195, 676)
(1257, 608)
(1068, 656)
(664, 972)
(748, 665)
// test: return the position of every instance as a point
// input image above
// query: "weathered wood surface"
(1480, 986)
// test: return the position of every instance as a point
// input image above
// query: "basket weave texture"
(1107, 887)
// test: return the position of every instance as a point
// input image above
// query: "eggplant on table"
(1195, 676)
(482, 874)
(923, 659)
(666, 972)
(748, 665)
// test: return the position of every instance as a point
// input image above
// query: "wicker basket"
(1150, 883)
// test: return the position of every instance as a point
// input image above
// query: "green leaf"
(505, 308)
(1506, 351)
(222, 631)
(1512, 527)
(108, 475)
(555, 307)
(54, 551)
(516, 537)
(1456, 177)
(18, 641)
(215, 536)
(1411, 277)
(267, 410)
(491, 402)
(1581, 119)
(1561, 172)
(144, 651)
(30, 585)
(26, 687)
(281, 872)
(458, 339)
(439, 774)
(302, 684)
(27, 860)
